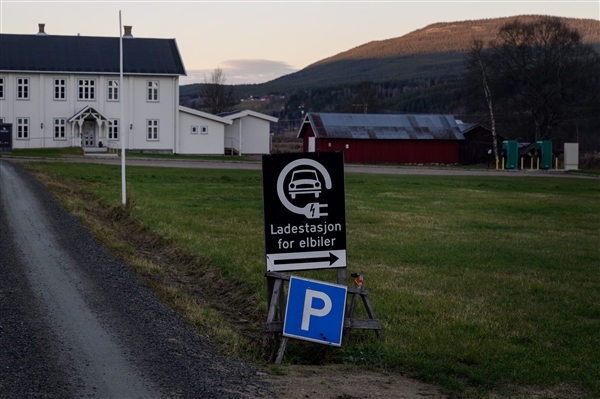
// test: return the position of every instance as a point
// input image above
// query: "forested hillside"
(419, 72)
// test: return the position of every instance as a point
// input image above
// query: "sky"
(257, 41)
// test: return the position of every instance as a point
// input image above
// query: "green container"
(511, 152)
(544, 152)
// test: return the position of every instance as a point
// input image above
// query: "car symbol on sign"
(304, 181)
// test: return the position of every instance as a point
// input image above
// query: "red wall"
(388, 151)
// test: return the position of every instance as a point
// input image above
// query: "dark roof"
(383, 126)
(84, 54)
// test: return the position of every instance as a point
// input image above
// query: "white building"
(249, 133)
(63, 91)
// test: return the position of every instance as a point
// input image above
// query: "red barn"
(379, 138)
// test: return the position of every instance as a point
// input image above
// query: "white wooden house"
(63, 91)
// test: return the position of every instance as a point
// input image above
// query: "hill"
(434, 52)
(419, 72)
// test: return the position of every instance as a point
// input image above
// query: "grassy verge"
(78, 151)
(481, 283)
(48, 152)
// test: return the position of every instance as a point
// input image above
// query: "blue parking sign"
(315, 311)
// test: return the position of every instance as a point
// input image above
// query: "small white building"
(64, 91)
(201, 132)
(250, 132)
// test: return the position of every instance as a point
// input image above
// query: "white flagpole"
(122, 121)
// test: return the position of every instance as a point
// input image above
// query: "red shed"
(381, 138)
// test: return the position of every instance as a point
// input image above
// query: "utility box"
(511, 152)
(5, 137)
(544, 150)
(571, 159)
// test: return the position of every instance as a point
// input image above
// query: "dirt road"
(74, 322)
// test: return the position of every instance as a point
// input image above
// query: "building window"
(23, 128)
(204, 129)
(22, 88)
(194, 130)
(1, 88)
(86, 89)
(60, 128)
(113, 130)
(152, 129)
(152, 91)
(1, 120)
(113, 90)
(60, 89)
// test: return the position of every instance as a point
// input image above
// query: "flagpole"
(122, 121)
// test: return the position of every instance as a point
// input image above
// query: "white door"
(311, 144)
(89, 139)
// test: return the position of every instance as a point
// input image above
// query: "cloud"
(242, 72)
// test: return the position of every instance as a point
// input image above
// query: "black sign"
(5, 137)
(305, 214)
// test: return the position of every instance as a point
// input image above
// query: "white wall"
(255, 137)
(199, 143)
(42, 108)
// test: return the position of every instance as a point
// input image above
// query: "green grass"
(227, 158)
(71, 151)
(484, 282)
(48, 152)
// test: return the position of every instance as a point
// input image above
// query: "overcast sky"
(257, 41)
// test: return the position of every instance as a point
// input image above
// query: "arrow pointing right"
(331, 259)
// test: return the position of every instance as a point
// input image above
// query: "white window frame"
(22, 88)
(22, 132)
(112, 90)
(152, 129)
(152, 91)
(1, 120)
(60, 89)
(60, 128)
(113, 129)
(86, 89)
(194, 130)
(1, 87)
(204, 129)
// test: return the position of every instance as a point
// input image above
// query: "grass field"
(481, 283)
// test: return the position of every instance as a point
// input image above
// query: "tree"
(478, 62)
(363, 101)
(217, 96)
(541, 72)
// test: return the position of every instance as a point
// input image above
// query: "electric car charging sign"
(305, 214)
(315, 311)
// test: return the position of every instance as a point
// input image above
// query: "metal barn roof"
(383, 126)
(84, 54)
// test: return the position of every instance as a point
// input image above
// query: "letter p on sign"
(310, 311)
(315, 311)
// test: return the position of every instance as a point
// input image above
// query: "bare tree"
(218, 97)
(478, 61)
(545, 70)
(538, 71)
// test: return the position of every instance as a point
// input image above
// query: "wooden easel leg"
(281, 351)
(274, 287)
(350, 314)
(371, 314)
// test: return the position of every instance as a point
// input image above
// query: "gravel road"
(75, 322)
(231, 163)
